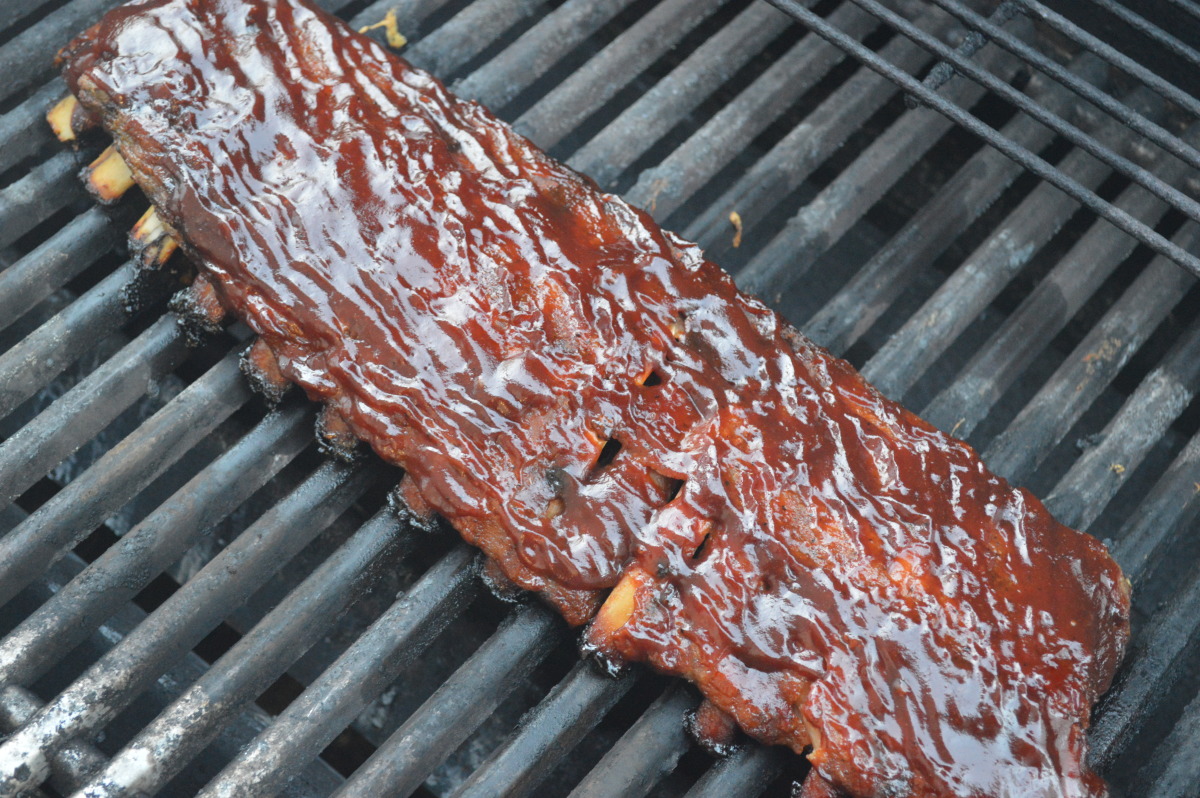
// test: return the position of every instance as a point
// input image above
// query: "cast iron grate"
(188, 590)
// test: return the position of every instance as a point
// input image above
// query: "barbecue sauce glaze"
(591, 402)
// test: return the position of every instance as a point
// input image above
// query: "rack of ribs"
(594, 405)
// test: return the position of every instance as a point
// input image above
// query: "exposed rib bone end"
(60, 118)
(199, 309)
(262, 370)
(601, 639)
(108, 177)
(334, 436)
(150, 241)
(68, 118)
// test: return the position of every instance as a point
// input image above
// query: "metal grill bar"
(458, 706)
(468, 33)
(22, 129)
(40, 357)
(663, 188)
(820, 223)
(1175, 760)
(1119, 111)
(1188, 6)
(1090, 368)
(1041, 315)
(368, 666)
(314, 779)
(164, 747)
(1072, 133)
(1142, 421)
(1150, 667)
(1144, 26)
(63, 256)
(411, 14)
(647, 751)
(504, 77)
(561, 111)
(16, 9)
(1156, 649)
(88, 407)
(128, 566)
(73, 763)
(658, 110)
(27, 58)
(983, 275)
(551, 730)
(1153, 662)
(48, 188)
(1088, 479)
(811, 143)
(1093, 364)
(1142, 543)
(177, 625)
(1032, 162)
(1113, 56)
(74, 512)
(972, 43)
(743, 774)
(696, 166)
(959, 203)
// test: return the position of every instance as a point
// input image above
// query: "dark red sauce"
(587, 398)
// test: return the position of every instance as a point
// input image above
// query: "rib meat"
(595, 406)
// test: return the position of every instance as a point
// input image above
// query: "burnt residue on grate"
(237, 615)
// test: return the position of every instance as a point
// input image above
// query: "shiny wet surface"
(586, 398)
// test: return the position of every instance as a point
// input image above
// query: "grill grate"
(960, 61)
(193, 601)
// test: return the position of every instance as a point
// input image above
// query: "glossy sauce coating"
(591, 402)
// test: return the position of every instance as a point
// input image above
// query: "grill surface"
(194, 600)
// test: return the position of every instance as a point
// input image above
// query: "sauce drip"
(594, 404)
